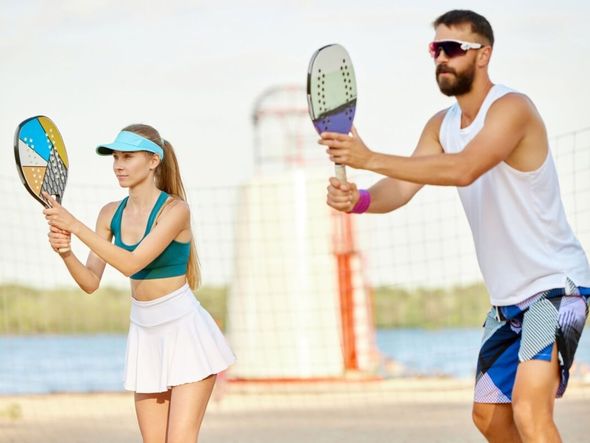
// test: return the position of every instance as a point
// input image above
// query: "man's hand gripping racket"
(331, 99)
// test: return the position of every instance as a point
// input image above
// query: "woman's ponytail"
(168, 179)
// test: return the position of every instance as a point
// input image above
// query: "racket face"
(41, 158)
(331, 90)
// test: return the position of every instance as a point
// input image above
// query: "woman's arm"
(86, 276)
(172, 221)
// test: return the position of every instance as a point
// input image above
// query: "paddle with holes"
(331, 93)
(41, 159)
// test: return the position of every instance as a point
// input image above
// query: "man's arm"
(389, 193)
(505, 126)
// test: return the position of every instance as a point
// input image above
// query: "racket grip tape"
(340, 173)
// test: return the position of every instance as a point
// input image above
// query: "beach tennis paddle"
(331, 93)
(41, 159)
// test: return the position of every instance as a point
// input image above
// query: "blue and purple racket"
(331, 93)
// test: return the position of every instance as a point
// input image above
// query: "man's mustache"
(442, 69)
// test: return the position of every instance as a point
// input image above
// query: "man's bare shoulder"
(435, 122)
(439, 116)
(429, 142)
(515, 119)
(514, 104)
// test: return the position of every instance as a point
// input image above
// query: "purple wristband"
(362, 203)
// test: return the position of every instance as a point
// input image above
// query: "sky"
(195, 69)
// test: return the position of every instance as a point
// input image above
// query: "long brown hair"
(168, 180)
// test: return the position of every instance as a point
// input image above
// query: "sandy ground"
(401, 410)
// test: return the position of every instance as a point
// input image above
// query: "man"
(493, 146)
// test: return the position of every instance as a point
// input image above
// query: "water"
(94, 363)
(54, 363)
(449, 352)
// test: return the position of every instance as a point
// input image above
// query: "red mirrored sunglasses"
(452, 48)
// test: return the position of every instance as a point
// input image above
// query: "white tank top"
(523, 241)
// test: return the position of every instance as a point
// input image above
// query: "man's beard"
(459, 85)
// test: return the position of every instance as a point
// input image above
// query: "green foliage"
(463, 306)
(12, 411)
(26, 310)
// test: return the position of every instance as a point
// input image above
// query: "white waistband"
(163, 309)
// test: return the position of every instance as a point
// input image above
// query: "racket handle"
(340, 173)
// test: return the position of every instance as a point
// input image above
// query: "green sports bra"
(170, 263)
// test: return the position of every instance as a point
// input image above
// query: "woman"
(174, 348)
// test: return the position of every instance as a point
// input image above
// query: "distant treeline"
(25, 310)
(462, 306)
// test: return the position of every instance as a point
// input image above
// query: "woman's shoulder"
(105, 216)
(174, 207)
(176, 204)
(109, 209)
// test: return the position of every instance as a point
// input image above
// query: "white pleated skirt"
(172, 340)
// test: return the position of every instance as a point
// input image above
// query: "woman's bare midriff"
(146, 290)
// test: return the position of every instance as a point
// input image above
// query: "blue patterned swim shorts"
(527, 331)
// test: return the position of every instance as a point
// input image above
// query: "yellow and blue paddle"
(41, 159)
